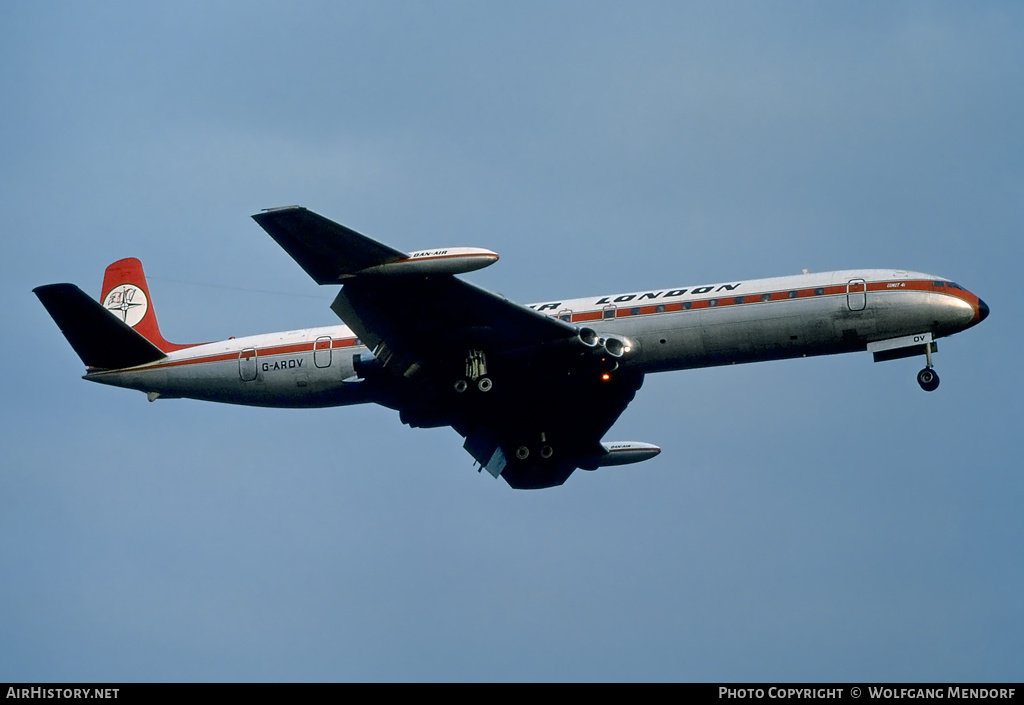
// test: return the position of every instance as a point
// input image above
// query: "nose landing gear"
(928, 378)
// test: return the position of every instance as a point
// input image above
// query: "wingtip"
(279, 208)
(44, 289)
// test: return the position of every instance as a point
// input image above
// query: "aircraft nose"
(982, 310)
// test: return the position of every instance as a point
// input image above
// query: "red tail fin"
(126, 295)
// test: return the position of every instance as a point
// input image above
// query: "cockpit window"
(938, 283)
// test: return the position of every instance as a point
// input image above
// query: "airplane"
(532, 389)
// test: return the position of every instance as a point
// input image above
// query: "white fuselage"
(670, 329)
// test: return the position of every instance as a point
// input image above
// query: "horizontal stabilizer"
(98, 336)
(329, 252)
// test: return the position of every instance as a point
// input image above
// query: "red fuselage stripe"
(621, 312)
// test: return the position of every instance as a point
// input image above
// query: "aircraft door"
(857, 294)
(322, 351)
(247, 364)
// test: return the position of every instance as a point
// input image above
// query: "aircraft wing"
(328, 252)
(548, 399)
(440, 310)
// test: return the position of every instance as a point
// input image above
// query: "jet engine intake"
(614, 345)
(588, 336)
(617, 346)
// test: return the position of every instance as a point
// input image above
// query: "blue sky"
(819, 519)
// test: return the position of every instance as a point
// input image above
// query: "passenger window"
(634, 311)
(660, 308)
(819, 291)
(687, 305)
(766, 297)
(792, 294)
(738, 299)
(713, 302)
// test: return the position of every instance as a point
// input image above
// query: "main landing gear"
(476, 373)
(928, 378)
(545, 451)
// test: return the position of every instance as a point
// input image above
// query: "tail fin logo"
(128, 302)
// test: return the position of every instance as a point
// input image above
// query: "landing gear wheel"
(522, 452)
(928, 379)
(461, 386)
(484, 384)
(546, 451)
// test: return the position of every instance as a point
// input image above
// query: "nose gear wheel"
(928, 379)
